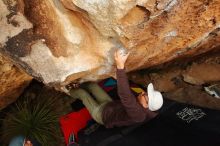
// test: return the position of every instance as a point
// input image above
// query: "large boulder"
(59, 41)
(12, 80)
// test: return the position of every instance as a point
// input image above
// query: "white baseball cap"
(155, 98)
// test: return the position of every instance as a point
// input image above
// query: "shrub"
(35, 118)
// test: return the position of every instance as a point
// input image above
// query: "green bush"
(35, 118)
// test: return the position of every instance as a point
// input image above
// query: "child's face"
(28, 143)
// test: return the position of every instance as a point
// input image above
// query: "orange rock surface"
(61, 41)
(12, 81)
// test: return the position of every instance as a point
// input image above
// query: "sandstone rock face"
(203, 69)
(199, 74)
(58, 41)
(12, 81)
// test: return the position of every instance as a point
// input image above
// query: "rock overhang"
(61, 41)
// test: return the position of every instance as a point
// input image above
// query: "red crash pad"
(73, 122)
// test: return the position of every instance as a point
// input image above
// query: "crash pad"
(73, 122)
(177, 124)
